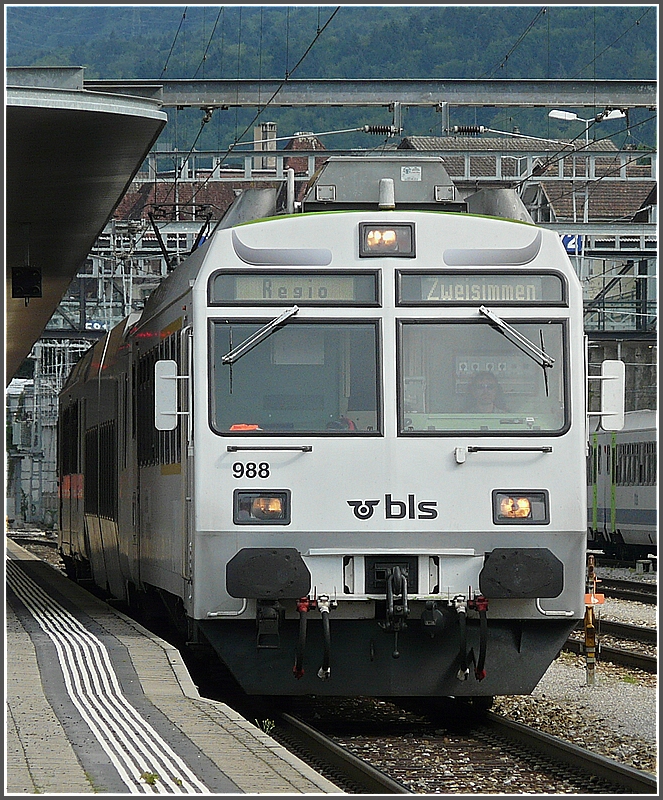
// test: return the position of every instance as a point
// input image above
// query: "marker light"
(386, 240)
(520, 507)
(261, 508)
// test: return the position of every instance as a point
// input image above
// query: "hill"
(561, 42)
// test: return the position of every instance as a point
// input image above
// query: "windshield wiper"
(260, 335)
(521, 342)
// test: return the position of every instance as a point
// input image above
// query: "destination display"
(305, 288)
(447, 288)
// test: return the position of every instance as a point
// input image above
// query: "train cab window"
(310, 378)
(466, 377)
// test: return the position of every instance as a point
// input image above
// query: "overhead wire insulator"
(381, 130)
(469, 130)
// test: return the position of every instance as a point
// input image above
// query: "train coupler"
(269, 614)
(397, 609)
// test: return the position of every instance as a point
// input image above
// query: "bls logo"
(395, 509)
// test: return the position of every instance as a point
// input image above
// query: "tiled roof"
(304, 141)
(616, 200)
(143, 198)
(481, 143)
(484, 163)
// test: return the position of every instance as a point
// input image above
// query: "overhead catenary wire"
(165, 66)
(502, 62)
(239, 60)
(237, 142)
(281, 84)
(612, 44)
(209, 42)
(289, 72)
(613, 271)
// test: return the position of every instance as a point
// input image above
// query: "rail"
(636, 591)
(630, 779)
(370, 779)
(616, 655)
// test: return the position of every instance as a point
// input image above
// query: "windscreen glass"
(316, 378)
(468, 377)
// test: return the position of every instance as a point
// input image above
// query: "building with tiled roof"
(648, 211)
(303, 141)
(561, 201)
(189, 199)
(601, 198)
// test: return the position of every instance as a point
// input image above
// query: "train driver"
(485, 394)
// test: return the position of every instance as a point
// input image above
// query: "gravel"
(617, 715)
(629, 612)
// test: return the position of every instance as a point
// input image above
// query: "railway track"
(636, 591)
(339, 764)
(624, 630)
(491, 755)
(611, 635)
(617, 655)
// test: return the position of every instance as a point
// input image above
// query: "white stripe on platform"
(133, 746)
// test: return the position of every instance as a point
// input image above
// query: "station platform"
(98, 704)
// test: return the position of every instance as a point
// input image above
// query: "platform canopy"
(71, 154)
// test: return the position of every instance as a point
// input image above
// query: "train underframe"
(614, 546)
(362, 657)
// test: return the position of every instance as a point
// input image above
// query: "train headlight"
(386, 240)
(261, 507)
(268, 508)
(515, 507)
(520, 507)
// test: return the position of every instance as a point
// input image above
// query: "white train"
(622, 493)
(347, 449)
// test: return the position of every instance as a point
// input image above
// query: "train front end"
(362, 522)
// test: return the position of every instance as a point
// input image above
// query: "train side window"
(636, 464)
(69, 460)
(100, 481)
(627, 465)
(154, 447)
(592, 459)
(170, 442)
(652, 464)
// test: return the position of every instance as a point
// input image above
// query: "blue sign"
(572, 244)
